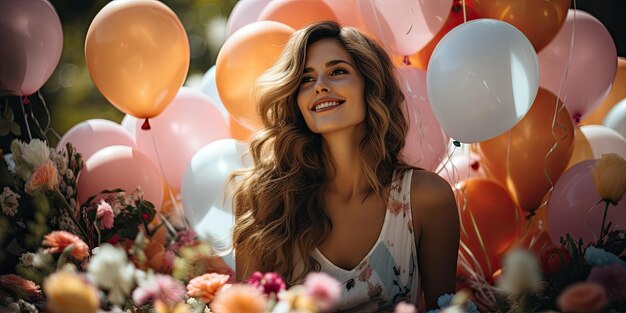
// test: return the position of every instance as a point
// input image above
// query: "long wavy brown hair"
(279, 206)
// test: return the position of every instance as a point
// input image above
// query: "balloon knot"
(456, 143)
(25, 100)
(145, 125)
(577, 118)
(406, 60)
(531, 214)
(457, 6)
(475, 165)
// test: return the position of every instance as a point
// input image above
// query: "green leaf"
(8, 115)
(4, 128)
(15, 129)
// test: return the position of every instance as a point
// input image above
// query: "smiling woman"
(328, 190)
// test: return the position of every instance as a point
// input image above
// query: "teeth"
(324, 105)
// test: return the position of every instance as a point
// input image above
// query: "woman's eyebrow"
(328, 64)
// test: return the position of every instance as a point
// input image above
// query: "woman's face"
(332, 94)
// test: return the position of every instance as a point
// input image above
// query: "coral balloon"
(137, 54)
(92, 135)
(189, 123)
(345, 11)
(590, 68)
(617, 93)
(539, 20)
(404, 26)
(482, 79)
(425, 143)
(582, 149)
(603, 140)
(574, 206)
(535, 149)
(297, 13)
(120, 167)
(244, 56)
(244, 13)
(481, 202)
(31, 38)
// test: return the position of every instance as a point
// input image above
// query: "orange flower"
(66, 292)
(58, 241)
(205, 287)
(161, 307)
(23, 288)
(239, 298)
(154, 252)
(609, 177)
(44, 174)
(583, 297)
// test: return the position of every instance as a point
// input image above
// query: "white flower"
(520, 273)
(8, 201)
(35, 152)
(27, 259)
(111, 270)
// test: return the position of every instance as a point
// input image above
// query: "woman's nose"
(321, 86)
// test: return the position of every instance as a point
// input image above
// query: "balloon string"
(30, 136)
(177, 208)
(464, 12)
(595, 237)
(49, 121)
(32, 116)
(481, 241)
(508, 171)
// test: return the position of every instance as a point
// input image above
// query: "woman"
(328, 191)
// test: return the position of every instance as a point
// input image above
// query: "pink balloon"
(404, 26)
(92, 135)
(347, 13)
(603, 140)
(120, 167)
(591, 70)
(297, 13)
(244, 13)
(425, 143)
(571, 202)
(461, 167)
(31, 38)
(190, 122)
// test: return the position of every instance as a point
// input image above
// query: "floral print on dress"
(366, 273)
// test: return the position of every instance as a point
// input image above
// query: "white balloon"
(603, 140)
(482, 79)
(129, 123)
(616, 118)
(209, 88)
(203, 190)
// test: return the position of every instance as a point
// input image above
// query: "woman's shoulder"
(431, 195)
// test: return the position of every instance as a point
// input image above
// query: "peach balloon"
(244, 56)
(297, 13)
(237, 131)
(539, 20)
(528, 151)
(617, 93)
(137, 54)
(345, 10)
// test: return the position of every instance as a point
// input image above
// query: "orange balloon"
(490, 222)
(137, 54)
(582, 149)
(239, 132)
(297, 13)
(539, 20)
(617, 93)
(246, 54)
(531, 141)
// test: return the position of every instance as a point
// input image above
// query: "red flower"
(553, 258)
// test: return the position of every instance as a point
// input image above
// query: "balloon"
(137, 54)
(244, 13)
(120, 167)
(573, 206)
(617, 93)
(603, 139)
(481, 202)
(92, 135)
(208, 86)
(203, 188)
(31, 38)
(482, 78)
(346, 13)
(592, 64)
(539, 20)
(582, 149)
(129, 123)
(616, 118)
(297, 13)
(534, 237)
(239, 132)
(425, 144)
(535, 149)
(461, 167)
(259, 44)
(421, 58)
(189, 123)
(404, 26)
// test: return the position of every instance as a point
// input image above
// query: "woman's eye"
(338, 71)
(306, 79)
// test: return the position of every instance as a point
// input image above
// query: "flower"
(270, 283)
(553, 257)
(111, 270)
(8, 201)
(105, 215)
(520, 273)
(23, 288)
(582, 297)
(206, 286)
(159, 287)
(67, 292)
(28, 156)
(60, 240)
(404, 307)
(612, 278)
(44, 175)
(597, 256)
(240, 298)
(162, 307)
(296, 299)
(324, 289)
(609, 177)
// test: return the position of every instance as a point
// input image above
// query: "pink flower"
(366, 273)
(404, 307)
(205, 287)
(398, 207)
(159, 287)
(582, 297)
(105, 215)
(324, 289)
(24, 288)
(239, 298)
(270, 283)
(612, 278)
(187, 237)
(44, 174)
(59, 240)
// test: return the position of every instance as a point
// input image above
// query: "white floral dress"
(388, 274)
